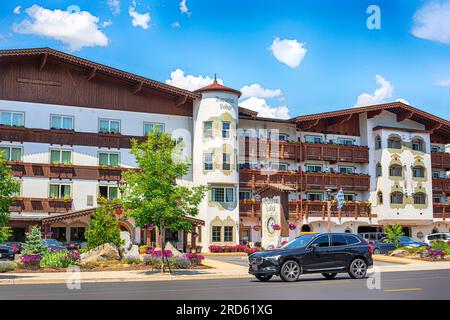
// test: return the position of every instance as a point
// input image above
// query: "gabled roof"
(99, 68)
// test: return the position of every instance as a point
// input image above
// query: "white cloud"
(403, 101)
(255, 90)
(189, 82)
(443, 83)
(385, 91)
(264, 110)
(76, 29)
(432, 22)
(175, 25)
(114, 6)
(106, 23)
(184, 8)
(139, 19)
(17, 10)
(289, 52)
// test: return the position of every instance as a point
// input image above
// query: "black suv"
(326, 253)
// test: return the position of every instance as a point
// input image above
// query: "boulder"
(129, 251)
(175, 252)
(103, 252)
(399, 253)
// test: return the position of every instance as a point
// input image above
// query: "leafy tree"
(34, 243)
(8, 187)
(151, 194)
(393, 233)
(104, 227)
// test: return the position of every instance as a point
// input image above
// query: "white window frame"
(152, 124)
(205, 162)
(276, 166)
(107, 191)
(59, 189)
(313, 165)
(342, 141)
(109, 158)
(224, 194)
(60, 155)
(352, 169)
(314, 138)
(109, 125)
(13, 147)
(10, 124)
(436, 174)
(72, 118)
(209, 131)
(226, 133)
(226, 156)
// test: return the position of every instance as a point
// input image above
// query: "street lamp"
(329, 198)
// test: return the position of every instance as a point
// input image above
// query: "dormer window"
(394, 142)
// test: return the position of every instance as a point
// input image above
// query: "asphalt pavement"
(434, 284)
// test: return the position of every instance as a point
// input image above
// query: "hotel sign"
(270, 210)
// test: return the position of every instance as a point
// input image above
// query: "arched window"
(419, 198)
(418, 144)
(377, 142)
(394, 142)
(418, 172)
(396, 170)
(397, 197)
(380, 197)
(379, 170)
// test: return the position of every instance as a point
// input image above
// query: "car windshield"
(299, 242)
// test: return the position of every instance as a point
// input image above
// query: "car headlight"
(273, 259)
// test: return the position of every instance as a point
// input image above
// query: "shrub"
(393, 233)
(6, 266)
(59, 259)
(440, 246)
(195, 259)
(104, 228)
(179, 263)
(34, 245)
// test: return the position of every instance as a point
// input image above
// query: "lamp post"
(328, 191)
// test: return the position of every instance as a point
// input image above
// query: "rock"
(104, 252)
(175, 252)
(129, 251)
(132, 254)
(399, 253)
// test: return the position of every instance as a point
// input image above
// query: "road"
(394, 285)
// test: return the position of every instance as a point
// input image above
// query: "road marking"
(403, 290)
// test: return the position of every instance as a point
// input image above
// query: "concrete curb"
(383, 258)
(225, 254)
(221, 265)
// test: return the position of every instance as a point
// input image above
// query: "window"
(61, 122)
(396, 170)
(322, 241)
(216, 233)
(315, 196)
(245, 194)
(10, 118)
(436, 199)
(226, 129)
(59, 191)
(379, 170)
(435, 149)
(278, 136)
(108, 159)
(280, 166)
(61, 156)
(348, 170)
(349, 197)
(419, 198)
(397, 198)
(109, 126)
(226, 164)
(380, 197)
(12, 153)
(208, 161)
(228, 234)
(223, 195)
(418, 145)
(245, 165)
(207, 129)
(394, 142)
(338, 240)
(150, 126)
(313, 168)
(352, 240)
(108, 192)
(313, 139)
(345, 141)
(436, 175)
(377, 142)
(418, 172)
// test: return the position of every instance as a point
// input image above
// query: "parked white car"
(442, 236)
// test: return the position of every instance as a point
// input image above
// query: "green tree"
(151, 194)
(103, 228)
(8, 187)
(393, 233)
(34, 243)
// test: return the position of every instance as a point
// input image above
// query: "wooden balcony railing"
(264, 148)
(440, 160)
(441, 185)
(66, 171)
(298, 209)
(252, 178)
(441, 211)
(41, 205)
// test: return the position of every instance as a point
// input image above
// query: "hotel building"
(66, 125)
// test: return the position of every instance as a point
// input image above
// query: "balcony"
(334, 153)
(110, 173)
(12, 134)
(61, 171)
(41, 205)
(441, 211)
(266, 148)
(253, 178)
(17, 168)
(440, 160)
(441, 185)
(298, 209)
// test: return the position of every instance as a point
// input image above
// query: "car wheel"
(290, 271)
(263, 278)
(329, 275)
(376, 251)
(358, 269)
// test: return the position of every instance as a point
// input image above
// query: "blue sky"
(342, 61)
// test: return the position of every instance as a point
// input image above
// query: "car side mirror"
(313, 247)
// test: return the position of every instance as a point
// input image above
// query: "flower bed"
(235, 248)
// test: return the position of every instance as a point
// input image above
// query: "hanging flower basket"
(256, 228)
(276, 227)
(292, 226)
(149, 227)
(195, 234)
(119, 211)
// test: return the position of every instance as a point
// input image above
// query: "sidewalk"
(220, 270)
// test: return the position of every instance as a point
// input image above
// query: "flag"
(340, 199)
